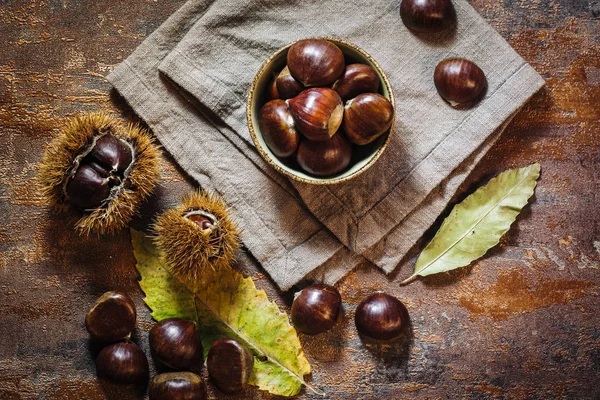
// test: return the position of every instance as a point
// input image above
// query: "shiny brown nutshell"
(272, 92)
(315, 62)
(459, 81)
(287, 86)
(381, 317)
(325, 158)
(316, 308)
(122, 363)
(278, 128)
(427, 15)
(112, 317)
(229, 364)
(177, 386)
(175, 343)
(317, 112)
(357, 79)
(98, 172)
(366, 117)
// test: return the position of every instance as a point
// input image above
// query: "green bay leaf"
(477, 224)
(227, 305)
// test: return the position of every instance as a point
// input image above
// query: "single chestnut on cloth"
(459, 81)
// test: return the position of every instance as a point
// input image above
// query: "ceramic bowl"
(363, 156)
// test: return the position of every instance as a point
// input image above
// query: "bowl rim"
(319, 180)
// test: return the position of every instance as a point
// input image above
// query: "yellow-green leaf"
(477, 224)
(227, 305)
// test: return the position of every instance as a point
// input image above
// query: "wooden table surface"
(521, 323)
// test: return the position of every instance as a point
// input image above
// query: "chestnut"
(381, 317)
(459, 81)
(325, 158)
(316, 308)
(366, 117)
(229, 364)
(315, 62)
(357, 79)
(103, 168)
(272, 92)
(317, 112)
(122, 363)
(175, 343)
(278, 128)
(287, 86)
(111, 318)
(427, 15)
(177, 386)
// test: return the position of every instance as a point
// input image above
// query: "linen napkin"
(189, 81)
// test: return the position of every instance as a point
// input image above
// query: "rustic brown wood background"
(522, 323)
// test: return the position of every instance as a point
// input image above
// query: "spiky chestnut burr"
(196, 235)
(99, 171)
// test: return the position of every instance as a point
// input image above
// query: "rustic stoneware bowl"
(363, 156)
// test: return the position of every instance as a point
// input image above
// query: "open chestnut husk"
(357, 79)
(229, 364)
(316, 308)
(317, 112)
(315, 62)
(112, 317)
(459, 81)
(381, 317)
(197, 236)
(325, 158)
(122, 363)
(278, 128)
(177, 386)
(175, 343)
(287, 85)
(427, 15)
(100, 170)
(366, 117)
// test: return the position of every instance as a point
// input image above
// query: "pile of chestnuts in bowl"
(320, 111)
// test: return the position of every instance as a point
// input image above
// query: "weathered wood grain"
(522, 323)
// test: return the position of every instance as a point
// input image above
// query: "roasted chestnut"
(112, 317)
(315, 62)
(229, 364)
(325, 158)
(357, 79)
(287, 86)
(317, 112)
(427, 15)
(175, 343)
(122, 363)
(366, 117)
(459, 81)
(381, 317)
(177, 386)
(316, 308)
(278, 128)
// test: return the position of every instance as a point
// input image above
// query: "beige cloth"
(189, 81)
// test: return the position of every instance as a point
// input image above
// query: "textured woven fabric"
(189, 81)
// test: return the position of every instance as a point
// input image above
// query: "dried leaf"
(477, 224)
(228, 305)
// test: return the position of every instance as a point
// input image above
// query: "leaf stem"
(409, 279)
